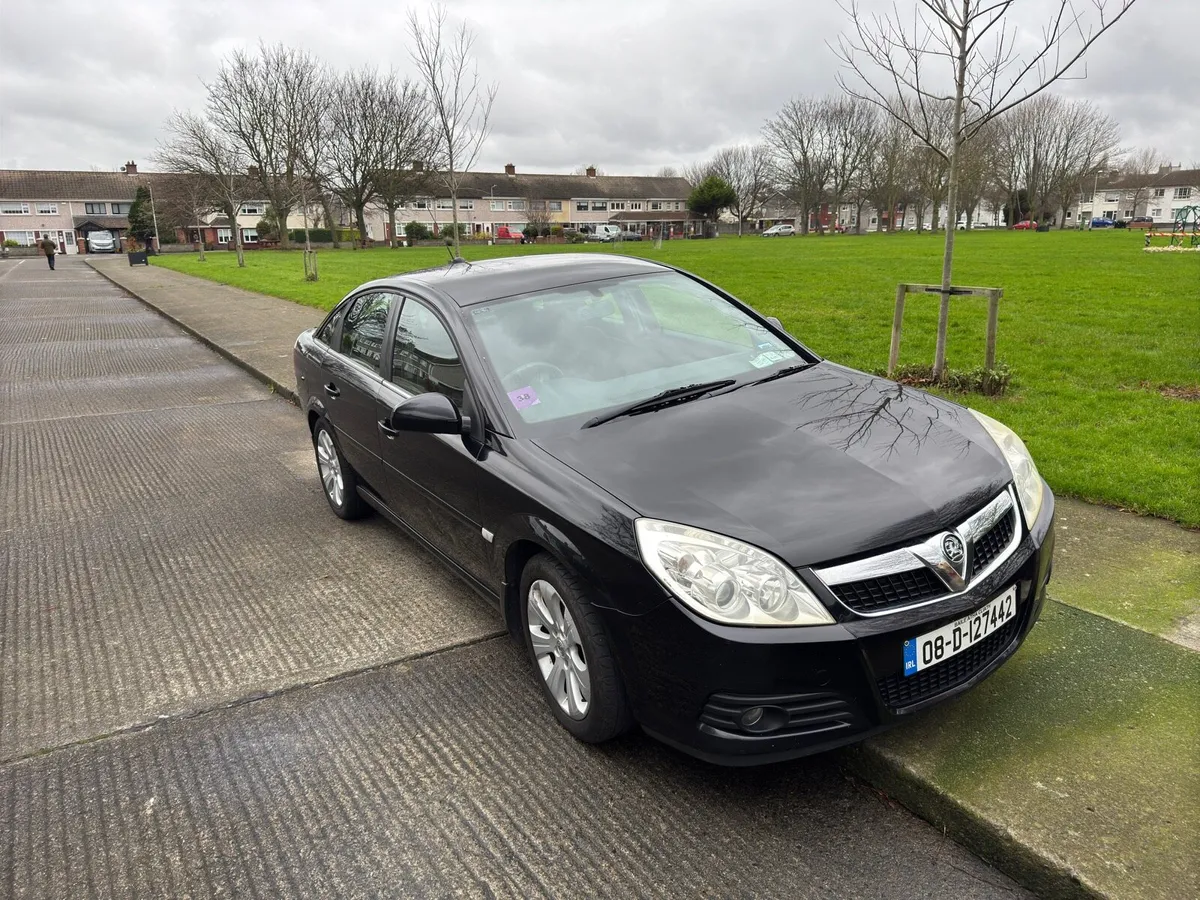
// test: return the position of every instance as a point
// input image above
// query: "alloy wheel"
(557, 649)
(331, 468)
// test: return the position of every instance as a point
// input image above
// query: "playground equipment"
(1184, 235)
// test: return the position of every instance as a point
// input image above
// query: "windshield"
(100, 236)
(577, 351)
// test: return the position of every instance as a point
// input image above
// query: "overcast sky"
(627, 85)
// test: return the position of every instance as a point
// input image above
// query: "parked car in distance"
(1140, 222)
(779, 231)
(975, 225)
(505, 233)
(628, 236)
(1026, 225)
(1100, 222)
(101, 242)
(784, 570)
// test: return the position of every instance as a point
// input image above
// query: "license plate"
(932, 648)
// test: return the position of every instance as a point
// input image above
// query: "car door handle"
(333, 390)
(388, 430)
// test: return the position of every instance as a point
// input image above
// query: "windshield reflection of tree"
(878, 416)
(362, 335)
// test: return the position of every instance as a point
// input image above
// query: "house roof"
(37, 184)
(481, 185)
(1172, 179)
(105, 222)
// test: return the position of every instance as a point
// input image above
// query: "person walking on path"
(49, 247)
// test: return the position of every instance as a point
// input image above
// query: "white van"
(101, 242)
(605, 232)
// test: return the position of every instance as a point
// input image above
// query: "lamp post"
(154, 213)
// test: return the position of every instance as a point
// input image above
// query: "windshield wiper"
(678, 394)
(782, 373)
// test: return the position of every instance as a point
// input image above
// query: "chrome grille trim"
(927, 554)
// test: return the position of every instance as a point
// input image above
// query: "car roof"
(467, 283)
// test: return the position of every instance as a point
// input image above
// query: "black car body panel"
(816, 467)
(823, 464)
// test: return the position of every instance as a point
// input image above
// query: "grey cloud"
(629, 86)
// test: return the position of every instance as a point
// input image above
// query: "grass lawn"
(1091, 327)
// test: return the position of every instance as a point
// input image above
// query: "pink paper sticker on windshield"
(523, 397)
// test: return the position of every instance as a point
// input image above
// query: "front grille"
(805, 713)
(992, 543)
(899, 692)
(890, 591)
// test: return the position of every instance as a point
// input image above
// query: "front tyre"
(338, 480)
(565, 637)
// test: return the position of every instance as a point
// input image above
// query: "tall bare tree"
(799, 140)
(853, 131)
(461, 104)
(1141, 171)
(187, 200)
(962, 52)
(747, 169)
(407, 146)
(269, 102)
(889, 173)
(198, 148)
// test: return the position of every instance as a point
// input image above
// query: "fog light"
(752, 716)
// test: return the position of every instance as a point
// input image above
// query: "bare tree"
(889, 173)
(187, 199)
(583, 170)
(977, 168)
(406, 147)
(1141, 171)
(853, 132)
(198, 148)
(269, 102)
(747, 169)
(798, 137)
(460, 103)
(981, 80)
(694, 173)
(667, 172)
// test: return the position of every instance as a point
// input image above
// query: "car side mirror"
(430, 413)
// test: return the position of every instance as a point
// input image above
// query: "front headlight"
(1025, 473)
(725, 580)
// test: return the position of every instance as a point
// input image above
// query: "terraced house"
(487, 200)
(68, 206)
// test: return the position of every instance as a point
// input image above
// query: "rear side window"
(363, 327)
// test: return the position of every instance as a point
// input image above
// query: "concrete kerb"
(988, 840)
(283, 390)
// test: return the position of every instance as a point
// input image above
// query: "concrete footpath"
(1075, 769)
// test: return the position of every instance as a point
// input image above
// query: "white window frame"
(249, 235)
(23, 238)
(14, 208)
(656, 204)
(465, 204)
(555, 205)
(635, 205)
(1182, 193)
(599, 206)
(444, 203)
(515, 205)
(113, 204)
(1160, 192)
(252, 209)
(420, 204)
(616, 205)
(103, 204)
(496, 205)
(1156, 212)
(224, 235)
(581, 206)
(46, 209)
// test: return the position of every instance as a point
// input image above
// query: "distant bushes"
(316, 235)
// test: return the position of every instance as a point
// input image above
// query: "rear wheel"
(566, 640)
(337, 478)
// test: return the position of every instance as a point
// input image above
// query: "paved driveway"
(211, 686)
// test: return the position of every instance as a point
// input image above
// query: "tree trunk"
(327, 210)
(939, 358)
(200, 235)
(281, 217)
(391, 225)
(935, 217)
(360, 219)
(454, 220)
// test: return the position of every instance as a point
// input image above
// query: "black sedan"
(690, 520)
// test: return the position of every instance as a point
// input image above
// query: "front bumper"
(689, 680)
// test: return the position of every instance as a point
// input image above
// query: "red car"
(1027, 225)
(504, 233)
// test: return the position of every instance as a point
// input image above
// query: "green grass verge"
(1089, 324)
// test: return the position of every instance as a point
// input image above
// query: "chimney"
(130, 168)
(418, 166)
(591, 171)
(510, 169)
(252, 171)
